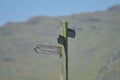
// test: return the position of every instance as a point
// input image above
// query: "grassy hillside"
(93, 55)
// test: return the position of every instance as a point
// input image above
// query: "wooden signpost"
(63, 40)
(59, 50)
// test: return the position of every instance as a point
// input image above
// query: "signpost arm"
(64, 57)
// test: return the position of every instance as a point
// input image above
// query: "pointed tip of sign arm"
(35, 50)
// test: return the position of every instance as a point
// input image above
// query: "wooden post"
(64, 57)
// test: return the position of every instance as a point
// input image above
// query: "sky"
(21, 10)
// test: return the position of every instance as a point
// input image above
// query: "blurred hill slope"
(93, 55)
